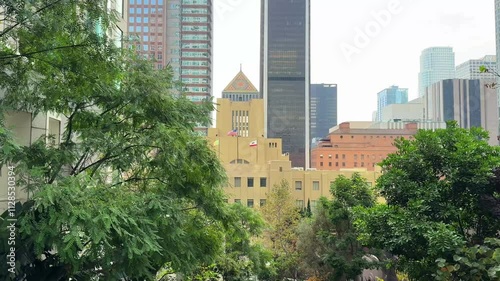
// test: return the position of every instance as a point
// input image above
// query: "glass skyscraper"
(323, 109)
(285, 78)
(436, 64)
(392, 95)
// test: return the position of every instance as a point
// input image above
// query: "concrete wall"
(28, 129)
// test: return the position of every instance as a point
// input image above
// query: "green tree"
(130, 187)
(334, 251)
(439, 190)
(282, 216)
(479, 262)
(242, 257)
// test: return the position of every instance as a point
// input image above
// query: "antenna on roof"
(241, 66)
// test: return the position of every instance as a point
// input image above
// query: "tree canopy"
(440, 189)
(130, 186)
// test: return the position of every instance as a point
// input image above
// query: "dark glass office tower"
(323, 109)
(285, 60)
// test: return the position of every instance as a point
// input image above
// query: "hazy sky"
(361, 68)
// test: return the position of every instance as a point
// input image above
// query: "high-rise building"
(470, 68)
(436, 64)
(177, 33)
(147, 27)
(323, 109)
(392, 95)
(472, 103)
(285, 74)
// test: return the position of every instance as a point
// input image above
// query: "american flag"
(233, 133)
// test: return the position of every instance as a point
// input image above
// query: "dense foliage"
(441, 195)
(282, 216)
(129, 186)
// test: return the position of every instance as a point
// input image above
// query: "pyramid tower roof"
(240, 84)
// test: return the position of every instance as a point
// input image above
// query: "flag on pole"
(233, 133)
(216, 142)
(253, 143)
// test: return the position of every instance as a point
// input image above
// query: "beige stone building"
(254, 163)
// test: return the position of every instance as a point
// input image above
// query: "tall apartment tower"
(323, 109)
(391, 95)
(436, 64)
(285, 75)
(177, 33)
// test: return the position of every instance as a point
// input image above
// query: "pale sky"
(389, 57)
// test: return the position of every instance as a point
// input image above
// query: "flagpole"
(237, 149)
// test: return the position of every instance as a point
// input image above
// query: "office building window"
(237, 201)
(262, 202)
(321, 164)
(343, 164)
(250, 203)
(263, 182)
(250, 182)
(329, 164)
(298, 185)
(237, 182)
(315, 185)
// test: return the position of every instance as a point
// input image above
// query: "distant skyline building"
(436, 64)
(178, 33)
(391, 95)
(472, 103)
(470, 68)
(323, 109)
(285, 75)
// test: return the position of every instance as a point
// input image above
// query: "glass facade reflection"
(285, 75)
(323, 109)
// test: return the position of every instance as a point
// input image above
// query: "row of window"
(250, 182)
(298, 203)
(343, 164)
(144, 11)
(138, 29)
(391, 137)
(355, 156)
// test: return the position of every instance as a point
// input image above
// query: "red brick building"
(347, 148)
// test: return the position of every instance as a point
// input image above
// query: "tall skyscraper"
(285, 74)
(470, 68)
(177, 33)
(436, 64)
(392, 95)
(323, 109)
